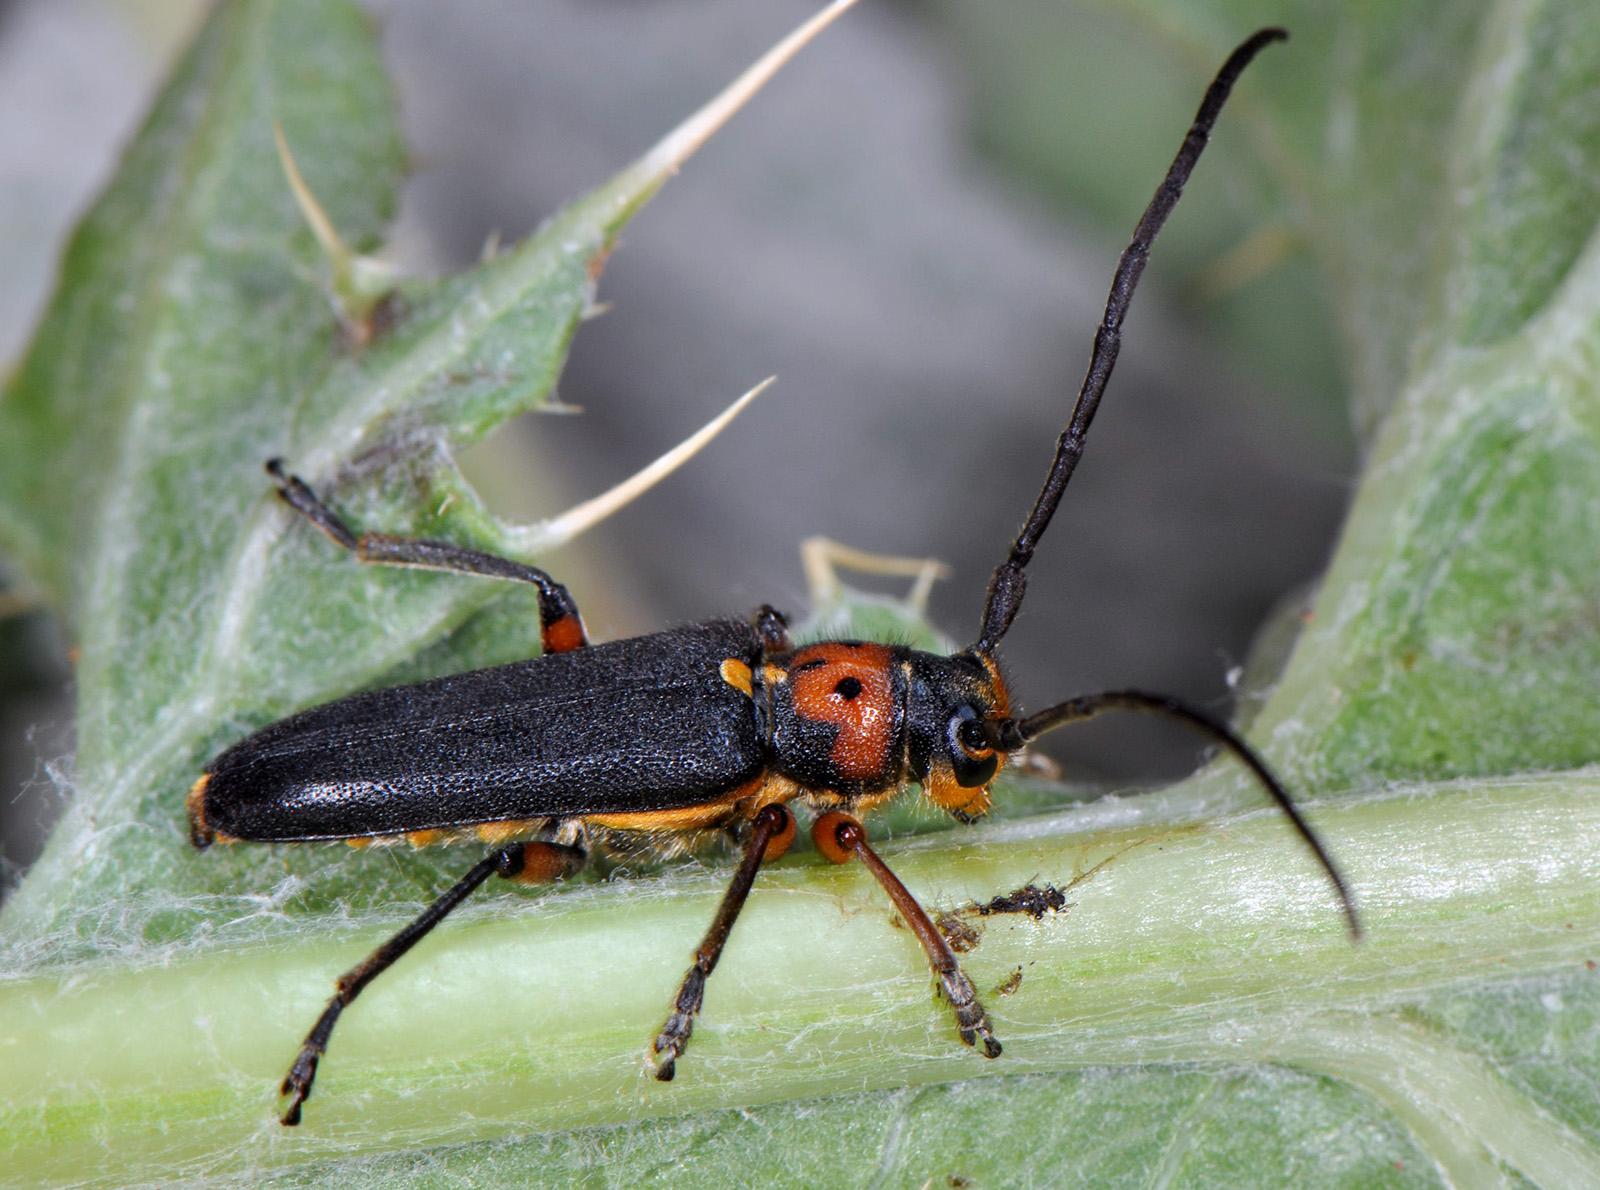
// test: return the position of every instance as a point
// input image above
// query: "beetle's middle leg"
(772, 628)
(560, 626)
(770, 837)
(529, 863)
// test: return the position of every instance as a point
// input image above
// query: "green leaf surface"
(1195, 1017)
(132, 490)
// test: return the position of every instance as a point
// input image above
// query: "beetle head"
(957, 710)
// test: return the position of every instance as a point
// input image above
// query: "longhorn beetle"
(708, 728)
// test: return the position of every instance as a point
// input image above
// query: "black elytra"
(631, 725)
(681, 735)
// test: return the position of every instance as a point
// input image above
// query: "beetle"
(681, 736)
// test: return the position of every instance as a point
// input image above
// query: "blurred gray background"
(914, 227)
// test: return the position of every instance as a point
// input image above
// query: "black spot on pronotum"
(847, 688)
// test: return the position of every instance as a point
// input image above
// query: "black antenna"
(1009, 583)
(1014, 733)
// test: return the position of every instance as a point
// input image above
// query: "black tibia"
(971, 1021)
(506, 861)
(1009, 583)
(556, 605)
(772, 626)
(1015, 733)
(770, 822)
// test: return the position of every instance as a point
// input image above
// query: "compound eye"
(971, 755)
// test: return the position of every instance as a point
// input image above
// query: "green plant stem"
(1188, 940)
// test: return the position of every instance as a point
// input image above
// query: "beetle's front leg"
(841, 838)
(770, 836)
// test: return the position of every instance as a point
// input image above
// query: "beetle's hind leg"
(531, 863)
(560, 625)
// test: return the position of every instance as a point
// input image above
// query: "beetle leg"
(770, 837)
(772, 626)
(560, 625)
(521, 861)
(839, 837)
